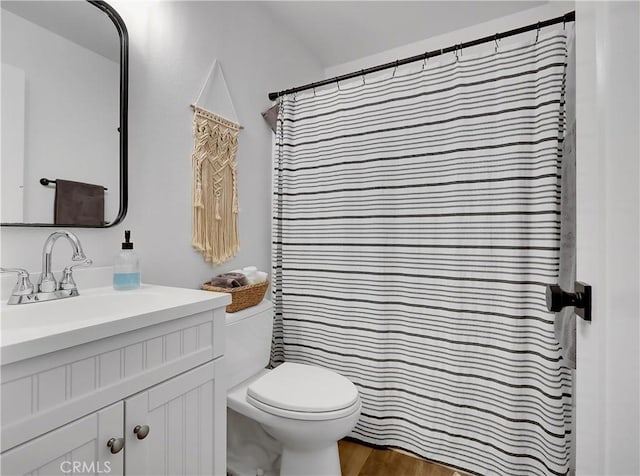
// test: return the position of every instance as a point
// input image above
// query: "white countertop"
(29, 330)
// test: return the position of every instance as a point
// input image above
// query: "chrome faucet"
(48, 288)
(47, 281)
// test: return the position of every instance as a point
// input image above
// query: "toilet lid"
(303, 388)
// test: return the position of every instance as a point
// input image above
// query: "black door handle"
(581, 299)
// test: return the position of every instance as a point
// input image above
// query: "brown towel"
(78, 203)
(229, 280)
(271, 116)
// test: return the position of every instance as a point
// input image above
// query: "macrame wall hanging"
(215, 192)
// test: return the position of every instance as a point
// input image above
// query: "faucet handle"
(67, 281)
(23, 286)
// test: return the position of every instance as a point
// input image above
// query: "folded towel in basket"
(229, 280)
(252, 274)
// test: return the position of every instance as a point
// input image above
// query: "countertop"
(29, 330)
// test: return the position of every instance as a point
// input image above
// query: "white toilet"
(307, 409)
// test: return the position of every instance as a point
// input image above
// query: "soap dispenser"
(126, 268)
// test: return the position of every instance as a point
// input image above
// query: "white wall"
(12, 143)
(516, 20)
(172, 45)
(71, 114)
(608, 236)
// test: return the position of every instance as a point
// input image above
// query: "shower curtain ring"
(538, 32)
(338, 84)
(495, 38)
(424, 60)
(314, 91)
(362, 73)
(395, 69)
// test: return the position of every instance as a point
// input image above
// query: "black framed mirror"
(64, 114)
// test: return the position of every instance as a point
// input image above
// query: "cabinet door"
(78, 447)
(186, 420)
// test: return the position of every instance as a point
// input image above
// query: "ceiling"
(335, 32)
(340, 31)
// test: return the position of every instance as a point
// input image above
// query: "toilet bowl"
(306, 408)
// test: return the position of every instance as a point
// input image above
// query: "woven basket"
(242, 297)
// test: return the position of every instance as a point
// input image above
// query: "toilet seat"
(304, 392)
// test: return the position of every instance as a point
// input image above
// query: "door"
(78, 447)
(178, 427)
(607, 388)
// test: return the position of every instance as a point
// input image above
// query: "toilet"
(305, 409)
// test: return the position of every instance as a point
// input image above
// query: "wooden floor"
(360, 460)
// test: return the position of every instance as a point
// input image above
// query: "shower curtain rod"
(567, 17)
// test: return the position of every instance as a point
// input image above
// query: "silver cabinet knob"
(116, 445)
(141, 431)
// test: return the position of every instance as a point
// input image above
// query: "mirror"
(63, 158)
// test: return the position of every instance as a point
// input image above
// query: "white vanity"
(129, 382)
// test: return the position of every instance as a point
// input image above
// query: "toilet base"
(309, 446)
(311, 462)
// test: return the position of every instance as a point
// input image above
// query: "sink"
(93, 304)
(28, 330)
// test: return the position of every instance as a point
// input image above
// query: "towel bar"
(46, 181)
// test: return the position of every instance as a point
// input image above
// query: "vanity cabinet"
(175, 422)
(82, 441)
(156, 392)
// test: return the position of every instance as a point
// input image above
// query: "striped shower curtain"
(416, 222)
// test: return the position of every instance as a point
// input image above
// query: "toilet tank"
(247, 342)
